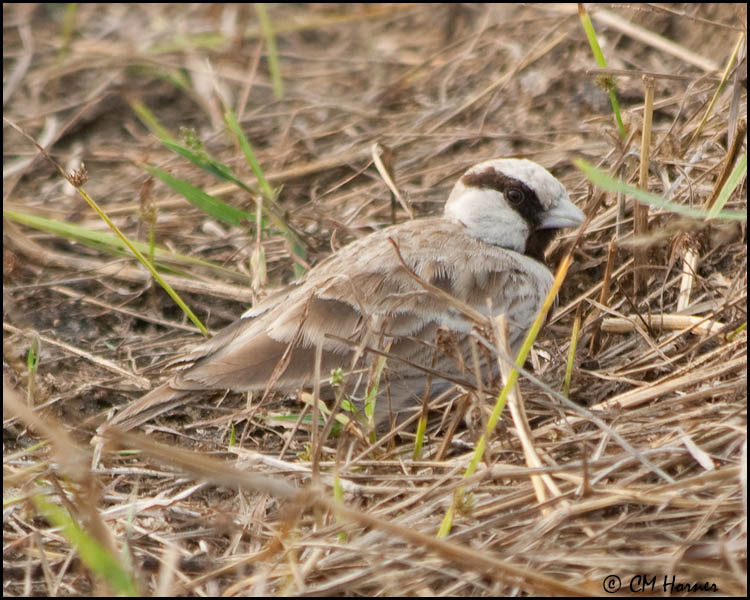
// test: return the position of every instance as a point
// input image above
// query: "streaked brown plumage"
(488, 244)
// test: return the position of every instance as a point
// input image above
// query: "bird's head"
(512, 203)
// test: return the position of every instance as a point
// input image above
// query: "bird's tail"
(156, 402)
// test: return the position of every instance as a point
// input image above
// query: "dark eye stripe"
(530, 208)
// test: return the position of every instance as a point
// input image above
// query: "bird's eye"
(514, 195)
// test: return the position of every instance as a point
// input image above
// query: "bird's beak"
(564, 214)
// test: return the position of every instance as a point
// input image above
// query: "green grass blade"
(735, 178)
(268, 193)
(207, 203)
(150, 121)
(604, 181)
(144, 261)
(596, 50)
(77, 180)
(106, 242)
(194, 151)
(273, 56)
(92, 553)
(458, 495)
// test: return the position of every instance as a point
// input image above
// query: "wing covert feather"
(363, 289)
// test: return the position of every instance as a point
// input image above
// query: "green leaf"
(604, 181)
(735, 178)
(212, 206)
(269, 194)
(596, 50)
(106, 242)
(199, 157)
(92, 553)
(149, 120)
(273, 56)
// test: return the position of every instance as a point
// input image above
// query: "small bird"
(411, 292)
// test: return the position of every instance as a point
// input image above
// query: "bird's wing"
(364, 292)
(363, 296)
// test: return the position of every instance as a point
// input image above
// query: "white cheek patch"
(487, 217)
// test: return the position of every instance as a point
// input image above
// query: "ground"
(643, 478)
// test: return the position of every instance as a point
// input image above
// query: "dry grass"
(647, 482)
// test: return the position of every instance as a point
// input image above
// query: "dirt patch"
(648, 482)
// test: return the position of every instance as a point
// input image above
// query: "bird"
(411, 292)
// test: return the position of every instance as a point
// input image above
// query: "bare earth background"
(438, 87)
